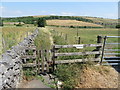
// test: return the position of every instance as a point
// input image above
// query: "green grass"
(88, 36)
(42, 41)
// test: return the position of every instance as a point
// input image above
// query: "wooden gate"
(96, 52)
(110, 52)
(38, 60)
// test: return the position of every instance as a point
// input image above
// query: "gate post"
(38, 61)
(78, 40)
(103, 49)
(99, 40)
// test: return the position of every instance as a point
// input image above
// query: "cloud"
(1, 7)
(63, 14)
(53, 14)
(67, 14)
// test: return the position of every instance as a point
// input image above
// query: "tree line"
(32, 20)
(40, 21)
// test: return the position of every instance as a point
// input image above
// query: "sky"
(94, 9)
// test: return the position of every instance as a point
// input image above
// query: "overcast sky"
(94, 9)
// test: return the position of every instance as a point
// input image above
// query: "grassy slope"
(71, 23)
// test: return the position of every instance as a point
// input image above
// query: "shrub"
(18, 24)
(41, 22)
(117, 26)
(1, 23)
(68, 74)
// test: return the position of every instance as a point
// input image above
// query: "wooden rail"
(78, 46)
(77, 53)
(75, 61)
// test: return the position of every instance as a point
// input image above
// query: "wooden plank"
(34, 64)
(113, 64)
(74, 46)
(74, 61)
(113, 36)
(111, 53)
(53, 58)
(42, 57)
(115, 58)
(39, 56)
(112, 61)
(28, 57)
(113, 43)
(29, 65)
(47, 59)
(77, 53)
(112, 49)
(31, 48)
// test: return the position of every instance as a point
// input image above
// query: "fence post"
(39, 56)
(35, 54)
(61, 34)
(53, 57)
(66, 37)
(78, 40)
(103, 50)
(99, 40)
(77, 32)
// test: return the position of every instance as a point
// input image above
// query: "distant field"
(13, 35)
(71, 23)
(87, 35)
(103, 20)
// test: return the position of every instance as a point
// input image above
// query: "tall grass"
(13, 35)
(42, 41)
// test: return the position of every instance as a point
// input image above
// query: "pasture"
(87, 35)
(13, 35)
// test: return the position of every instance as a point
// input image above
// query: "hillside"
(95, 21)
(71, 23)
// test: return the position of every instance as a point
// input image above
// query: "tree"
(117, 26)
(41, 22)
(1, 22)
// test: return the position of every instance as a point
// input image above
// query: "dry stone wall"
(11, 63)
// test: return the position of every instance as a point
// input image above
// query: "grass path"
(36, 83)
(47, 31)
